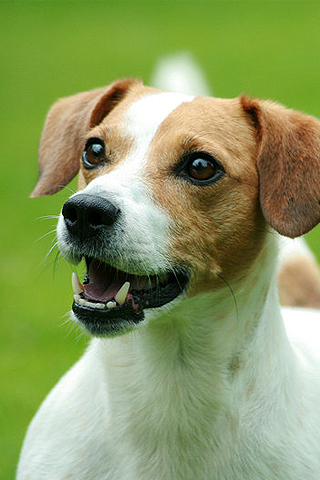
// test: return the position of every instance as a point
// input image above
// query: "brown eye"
(201, 169)
(94, 153)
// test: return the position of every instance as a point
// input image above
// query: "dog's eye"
(200, 168)
(94, 153)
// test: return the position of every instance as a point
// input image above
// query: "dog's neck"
(192, 369)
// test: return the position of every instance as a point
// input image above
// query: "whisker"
(46, 235)
(176, 277)
(73, 327)
(232, 293)
(71, 190)
(48, 217)
(51, 250)
(55, 263)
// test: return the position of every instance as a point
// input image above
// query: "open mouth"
(111, 300)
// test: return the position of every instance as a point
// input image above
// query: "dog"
(194, 371)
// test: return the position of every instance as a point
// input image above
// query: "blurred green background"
(52, 49)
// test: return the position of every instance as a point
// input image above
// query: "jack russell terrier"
(194, 371)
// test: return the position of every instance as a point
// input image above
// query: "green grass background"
(52, 49)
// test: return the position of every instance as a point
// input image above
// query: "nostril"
(70, 213)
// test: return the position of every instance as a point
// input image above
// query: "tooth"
(121, 296)
(76, 298)
(99, 305)
(111, 304)
(76, 285)
(82, 301)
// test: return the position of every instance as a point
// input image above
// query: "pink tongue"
(96, 291)
(104, 282)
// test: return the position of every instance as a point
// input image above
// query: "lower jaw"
(107, 323)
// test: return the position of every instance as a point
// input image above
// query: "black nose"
(86, 215)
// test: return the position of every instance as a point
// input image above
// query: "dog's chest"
(127, 425)
(140, 425)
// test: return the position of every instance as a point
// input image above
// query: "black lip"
(123, 318)
(103, 322)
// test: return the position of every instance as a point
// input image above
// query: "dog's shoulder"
(74, 406)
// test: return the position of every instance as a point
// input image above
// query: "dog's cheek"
(192, 237)
(242, 235)
(217, 231)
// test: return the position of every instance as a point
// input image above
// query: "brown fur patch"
(110, 99)
(219, 228)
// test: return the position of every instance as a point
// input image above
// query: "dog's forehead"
(164, 125)
(151, 127)
(179, 117)
(145, 115)
(137, 123)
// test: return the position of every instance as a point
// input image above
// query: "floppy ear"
(288, 164)
(62, 139)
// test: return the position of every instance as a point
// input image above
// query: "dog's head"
(176, 193)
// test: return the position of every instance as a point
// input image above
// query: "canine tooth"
(76, 285)
(76, 298)
(121, 295)
(111, 304)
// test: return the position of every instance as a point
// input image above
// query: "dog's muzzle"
(111, 300)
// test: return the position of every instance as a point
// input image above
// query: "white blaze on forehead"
(144, 117)
(146, 114)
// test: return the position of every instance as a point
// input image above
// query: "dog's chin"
(117, 321)
(112, 302)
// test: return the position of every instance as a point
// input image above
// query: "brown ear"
(66, 126)
(288, 163)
